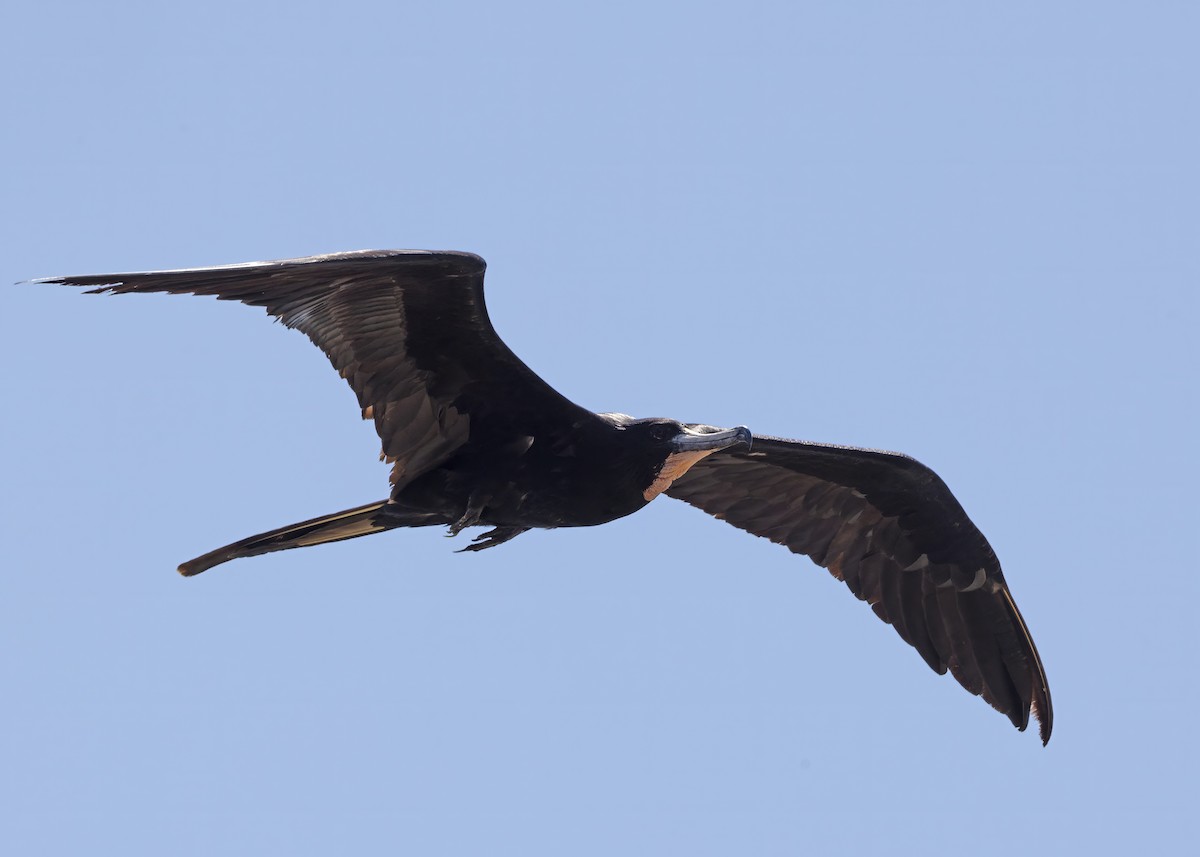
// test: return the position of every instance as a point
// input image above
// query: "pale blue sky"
(968, 234)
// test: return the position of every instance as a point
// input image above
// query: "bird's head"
(671, 448)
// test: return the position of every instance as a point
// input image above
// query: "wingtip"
(1045, 722)
(64, 281)
(1040, 704)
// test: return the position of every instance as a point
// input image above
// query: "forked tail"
(349, 524)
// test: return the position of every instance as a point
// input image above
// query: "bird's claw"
(491, 538)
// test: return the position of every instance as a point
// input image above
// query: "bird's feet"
(491, 538)
(469, 518)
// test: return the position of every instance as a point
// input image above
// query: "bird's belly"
(526, 490)
(532, 508)
(517, 501)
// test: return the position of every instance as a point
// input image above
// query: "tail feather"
(350, 524)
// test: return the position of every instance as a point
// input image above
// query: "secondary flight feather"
(475, 438)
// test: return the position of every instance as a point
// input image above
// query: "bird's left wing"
(407, 329)
(889, 528)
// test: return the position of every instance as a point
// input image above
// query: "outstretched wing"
(407, 329)
(890, 528)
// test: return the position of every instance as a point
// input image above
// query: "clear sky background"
(965, 232)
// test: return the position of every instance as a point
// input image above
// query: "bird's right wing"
(889, 528)
(407, 329)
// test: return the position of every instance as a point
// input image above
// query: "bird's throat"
(677, 464)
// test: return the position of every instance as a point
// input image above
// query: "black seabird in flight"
(476, 438)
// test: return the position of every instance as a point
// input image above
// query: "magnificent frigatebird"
(476, 438)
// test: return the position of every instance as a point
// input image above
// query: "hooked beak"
(699, 438)
(688, 447)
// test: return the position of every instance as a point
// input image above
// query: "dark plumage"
(476, 438)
